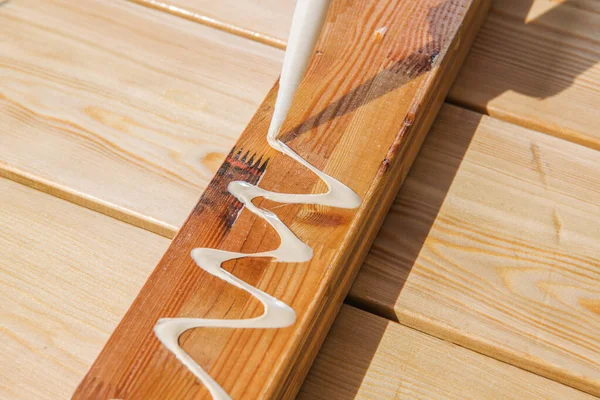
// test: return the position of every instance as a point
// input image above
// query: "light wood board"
(361, 114)
(535, 63)
(493, 243)
(67, 275)
(120, 108)
(66, 288)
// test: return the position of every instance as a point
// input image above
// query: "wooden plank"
(367, 357)
(492, 243)
(360, 115)
(67, 275)
(65, 288)
(535, 62)
(123, 109)
(537, 65)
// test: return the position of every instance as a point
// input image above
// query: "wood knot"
(385, 165)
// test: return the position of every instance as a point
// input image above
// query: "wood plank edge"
(443, 81)
(87, 201)
(213, 23)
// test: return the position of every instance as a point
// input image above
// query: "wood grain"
(367, 357)
(68, 274)
(536, 63)
(360, 115)
(123, 109)
(492, 243)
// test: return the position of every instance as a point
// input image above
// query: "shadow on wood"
(534, 64)
(411, 249)
(401, 268)
(559, 60)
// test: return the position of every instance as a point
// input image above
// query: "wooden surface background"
(508, 239)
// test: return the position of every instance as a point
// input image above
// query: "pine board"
(67, 275)
(265, 21)
(363, 121)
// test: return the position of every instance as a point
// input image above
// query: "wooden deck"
(483, 282)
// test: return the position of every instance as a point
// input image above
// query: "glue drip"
(307, 22)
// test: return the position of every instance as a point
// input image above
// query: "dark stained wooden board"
(361, 115)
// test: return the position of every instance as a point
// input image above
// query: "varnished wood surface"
(66, 288)
(492, 243)
(120, 108)
(535, 62)
(341, 122)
